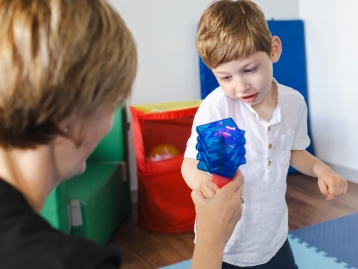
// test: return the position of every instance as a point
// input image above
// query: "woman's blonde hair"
(57, 58)
(231, 29)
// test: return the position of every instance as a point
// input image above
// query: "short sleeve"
(301, 139)
(208, 111)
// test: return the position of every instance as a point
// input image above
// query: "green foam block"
(99, 201)
(55, 210)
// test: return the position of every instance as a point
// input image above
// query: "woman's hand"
(216, 218)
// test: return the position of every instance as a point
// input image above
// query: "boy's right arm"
(191, 174)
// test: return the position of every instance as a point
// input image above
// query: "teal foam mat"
(306, 258)
(319, 246)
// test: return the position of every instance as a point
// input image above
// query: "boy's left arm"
(330, 183)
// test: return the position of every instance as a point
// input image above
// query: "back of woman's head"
(58, 58)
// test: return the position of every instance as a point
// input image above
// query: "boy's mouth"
(250, 98)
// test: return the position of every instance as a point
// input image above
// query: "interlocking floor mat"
(331, 244)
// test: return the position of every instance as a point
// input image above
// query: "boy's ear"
(276, 49)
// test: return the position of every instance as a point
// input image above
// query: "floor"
(306, 206)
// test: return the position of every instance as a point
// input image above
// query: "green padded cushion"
(104, 200)
(55, 209)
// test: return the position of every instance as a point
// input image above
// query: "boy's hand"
(331, 184)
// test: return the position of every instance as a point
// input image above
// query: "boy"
(234, 42)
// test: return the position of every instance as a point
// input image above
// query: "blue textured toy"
(221, 149)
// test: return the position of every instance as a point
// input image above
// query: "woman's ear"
(64, 126)
(276, 49)
(70, 126)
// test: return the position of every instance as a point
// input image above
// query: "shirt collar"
(276, 116)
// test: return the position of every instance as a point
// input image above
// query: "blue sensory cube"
(220, 156)
(221, 147)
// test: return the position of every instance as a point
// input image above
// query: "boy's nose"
(242, 87)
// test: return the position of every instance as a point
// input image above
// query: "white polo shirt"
(263, 227)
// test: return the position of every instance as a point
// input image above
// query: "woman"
(64, 68)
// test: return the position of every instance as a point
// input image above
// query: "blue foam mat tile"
(306, 256)
(180, 265)
(328, 245)
(338, 238)
(309, 257)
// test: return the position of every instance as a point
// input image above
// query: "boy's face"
(248, 79)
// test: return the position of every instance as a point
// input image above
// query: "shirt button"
(269, 163)
(254, 114)
(269, 128)
(270, 146)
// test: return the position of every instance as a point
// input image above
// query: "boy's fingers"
(332, 190)
(329, 189)
(323, 187)
(345, 188)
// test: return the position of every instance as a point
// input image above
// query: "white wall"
(165, 35)
(279, 9)
(332, 61)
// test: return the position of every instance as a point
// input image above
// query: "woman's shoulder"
(27, 239)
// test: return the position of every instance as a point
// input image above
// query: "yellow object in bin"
(164, 201)
(163, 152)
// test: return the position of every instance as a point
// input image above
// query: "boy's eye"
(225, 78)
(250, 70)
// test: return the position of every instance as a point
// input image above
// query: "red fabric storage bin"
(164, 201)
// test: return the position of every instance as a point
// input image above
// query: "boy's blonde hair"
(231, 29)
(58, 58)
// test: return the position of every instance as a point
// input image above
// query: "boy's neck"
(267, 106)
